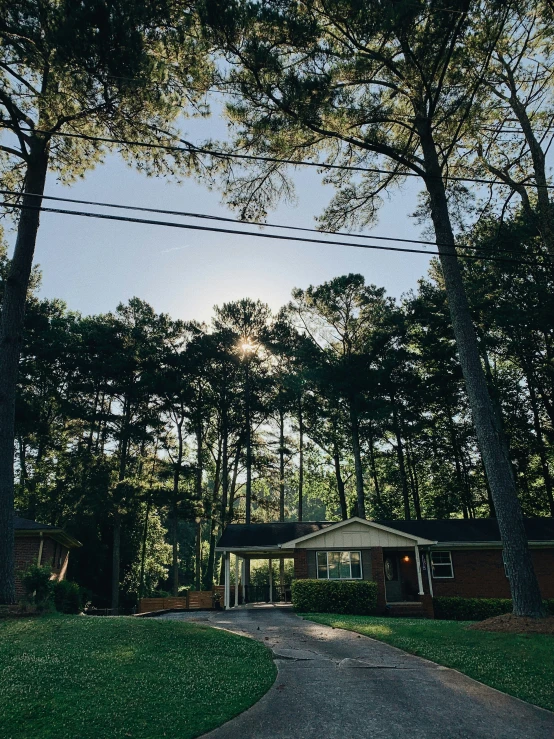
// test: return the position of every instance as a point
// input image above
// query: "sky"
(93, 265)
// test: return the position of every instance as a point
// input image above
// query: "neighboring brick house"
(411, 561)
(42, 544)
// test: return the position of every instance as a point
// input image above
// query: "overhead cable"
(206, 216)
(237, 232)
(190, 148)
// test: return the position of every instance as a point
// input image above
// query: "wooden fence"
(194, 600)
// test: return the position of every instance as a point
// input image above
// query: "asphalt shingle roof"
(267, 534)
(448, 530)
(26, 524)
(471, 530)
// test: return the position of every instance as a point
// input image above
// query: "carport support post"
(270, 580)
(418, 566)
(243, 578)
(236, 580)
(227, 592)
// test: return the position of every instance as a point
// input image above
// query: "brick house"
(42, 544)
(411, 561)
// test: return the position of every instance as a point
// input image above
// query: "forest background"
(343, 390)
(136, 420)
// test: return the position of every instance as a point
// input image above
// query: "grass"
(65, 677)
(518, 664)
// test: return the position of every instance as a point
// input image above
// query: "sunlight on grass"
(519, 664)
(69, 677)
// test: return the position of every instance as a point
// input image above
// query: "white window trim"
(442, 577)
(326, 553)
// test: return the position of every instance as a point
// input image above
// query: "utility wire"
(194, 227)
(192, 149)
(224, 219)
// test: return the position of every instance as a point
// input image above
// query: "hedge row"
(41, 590)
(335, 596)
(476, 609)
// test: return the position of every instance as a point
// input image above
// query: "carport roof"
(267, 534)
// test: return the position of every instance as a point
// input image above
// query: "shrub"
(476, 609)
(38, 585)
(67, 597)
(335, 596)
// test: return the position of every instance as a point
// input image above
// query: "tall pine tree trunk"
(116, 549)
(340, 482)
(540, 445)
(281, 465)
(400, 458)
(300, 462)
(373, 467)
(11, 334)
(524, 586)
(355, 435)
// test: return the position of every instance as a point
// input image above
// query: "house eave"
(58, 535)
(486, 544)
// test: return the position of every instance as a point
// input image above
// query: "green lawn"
(518, 664)
(78, 677)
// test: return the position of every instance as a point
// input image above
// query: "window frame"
(326, 552)
(433, 564)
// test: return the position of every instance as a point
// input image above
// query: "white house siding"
(355, 536)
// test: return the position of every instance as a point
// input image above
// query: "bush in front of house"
(67, 597)
(357, 597)
(39, 588)
(476, 609)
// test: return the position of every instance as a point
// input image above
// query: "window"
(441, 565)
(339, 566)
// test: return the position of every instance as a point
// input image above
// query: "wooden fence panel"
(200, 599)
(194, 600)
(150, 604)
(176, 603)
(147, 605)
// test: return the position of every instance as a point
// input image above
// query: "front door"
(393, 584)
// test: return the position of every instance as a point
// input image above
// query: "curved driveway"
(334, 684)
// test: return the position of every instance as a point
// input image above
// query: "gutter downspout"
(429, 574)
(40, 549)
(418, 566)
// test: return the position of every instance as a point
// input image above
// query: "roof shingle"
(448, 530)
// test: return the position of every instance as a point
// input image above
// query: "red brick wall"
(26, 552)
(479, 573)
(300, 564)
(378, 574)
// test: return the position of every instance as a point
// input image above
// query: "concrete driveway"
(334, 684)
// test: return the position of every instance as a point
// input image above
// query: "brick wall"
(26, 553)
(479, 573)
(379, 577)
(300, 564)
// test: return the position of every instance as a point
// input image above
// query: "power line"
(213, 229)
(187, 214)
(192, 149)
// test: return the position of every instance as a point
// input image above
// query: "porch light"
(406, 558)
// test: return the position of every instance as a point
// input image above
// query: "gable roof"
(28, 526)
(462, 531)
(416, 538)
